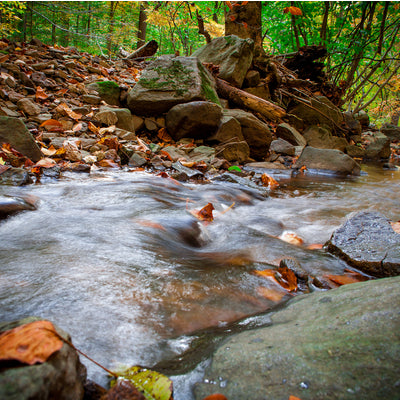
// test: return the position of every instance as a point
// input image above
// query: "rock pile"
(66, 110)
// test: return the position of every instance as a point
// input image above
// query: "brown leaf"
(291, 237)
(396, 226)
(52, 125)
(269, 181)
(40, 94)
(93, 128)
(288, 279)
(30, 343)
(164, 136)
(110, 142)
(205, 214)
(346, 279)
(108, 164)
(65, 110)
(50, 151)
(45, 163)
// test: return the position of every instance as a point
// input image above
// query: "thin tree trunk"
(111, 15)
(324, 23)
(142, 25)
(294, 27)
(202, 30)
(382, 30)
(89, 18)
(215, 13)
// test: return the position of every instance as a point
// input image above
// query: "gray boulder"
(368, 242)
(61, 377)
(14, 131)
(232, 54)
(378, 147)
(342, 344)
(352, 124)
(234, 151)
(169, 81)
(327, 160)
(229, 130)
(256, 133)
(109, 91)
(363, 118)
(321, 112)
(198, 120)
(290, 134)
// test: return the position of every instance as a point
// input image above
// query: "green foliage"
(10, 12)
(152, 384)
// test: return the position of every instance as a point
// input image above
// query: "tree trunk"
(245, 21)
(142, 25)
(147, 50)
(111, 14)
(247, 100)
(324, 23)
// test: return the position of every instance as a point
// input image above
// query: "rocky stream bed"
(159, 223)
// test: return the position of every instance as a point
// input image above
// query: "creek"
(117, 261)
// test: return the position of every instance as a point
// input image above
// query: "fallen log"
(147, 50)
(250, 101)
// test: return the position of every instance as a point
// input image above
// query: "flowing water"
(117, 260)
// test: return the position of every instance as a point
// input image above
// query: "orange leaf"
(269, 181)
(346, 279)
(40, 94)
(229, 4)
(232, 17)
(216, 396)
(205, 214)
(315, 246)
(45, 163)
(396, 226)
(294, 398)
(108, 164)
(30, 343)
(289, 280)
(291, 237)
(164, 135)
(50, 151)
(92, 127)
(266, 273)
(64, 109)
(110, 142)
(245, 25)
(50, 123)
(77, 127)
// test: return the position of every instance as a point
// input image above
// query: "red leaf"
(205, 214)
(245, 25)
(232, 17)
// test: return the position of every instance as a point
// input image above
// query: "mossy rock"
(109, 91)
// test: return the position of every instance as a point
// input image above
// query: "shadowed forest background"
(361, 38)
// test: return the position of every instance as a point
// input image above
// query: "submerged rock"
(61, 377)
(313, 349)
(14, 205)
(368, 242)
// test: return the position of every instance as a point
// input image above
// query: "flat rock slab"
(340, 344)
(368, 242)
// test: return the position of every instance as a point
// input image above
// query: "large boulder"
(14, 131)
(391, 131)
(256, 133)
(378, 147)
(109, 91)
(327, 160)
(198, 120)
(169, 81)
(368, 242)
(342, 344)
(234, 151)
(61, 377)
(321, 112)
(233, 55)
(229, 130)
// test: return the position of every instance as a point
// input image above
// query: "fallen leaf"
(269, 181)
(204, 214)
(30, 343)
(288, 279)
(77, 127)
(164, 135)
(51, 125)
(50, 151)
(40, 94)
(108, 164)
(155, 385)
(4, 168)
(110, 142)
(150, 224)
(294, 398)
(346, 279)
(291, 237)
(45, 163)
(396, 226)
(315, 246)
(216, 396)
(65, 110)
(93, 128)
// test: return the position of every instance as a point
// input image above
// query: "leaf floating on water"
(396, 226)
(270, 294)
(216, 396)
(30, 343)
(348, 278)
(234, 168)
(269, 181)
(205, 214)
(288, 279)
(155, 386)
(291, 237)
